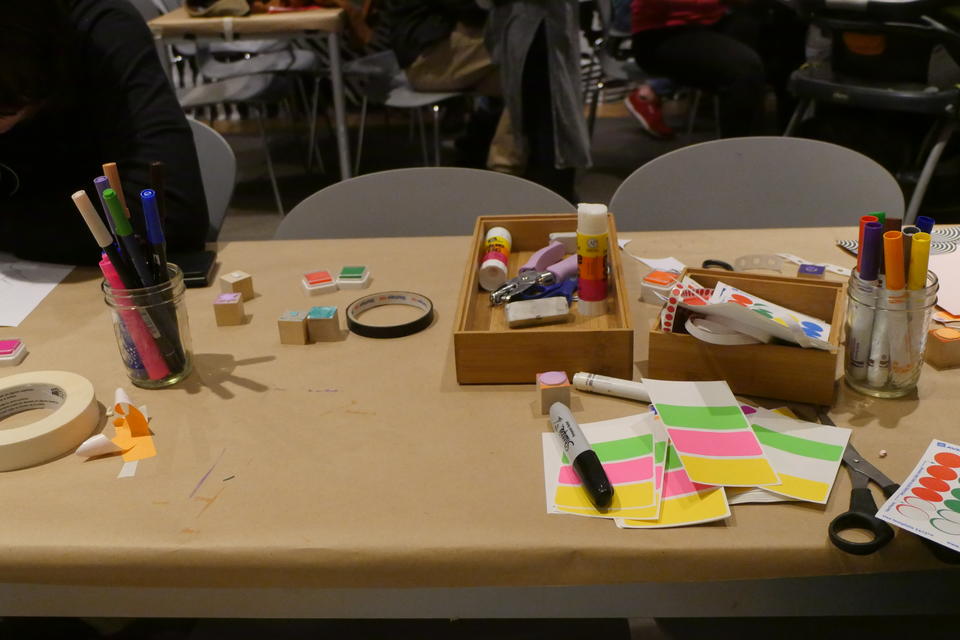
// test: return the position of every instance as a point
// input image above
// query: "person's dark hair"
(34, 53)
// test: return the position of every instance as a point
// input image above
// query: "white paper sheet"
(23, 285)
(947, 268)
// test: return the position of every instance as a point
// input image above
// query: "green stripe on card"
(716, 418)
(625, 449)
(673, 460)
(798, 446)
(660, 452)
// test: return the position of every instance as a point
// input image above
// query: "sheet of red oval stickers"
(928, 501)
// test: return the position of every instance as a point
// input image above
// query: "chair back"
(421, 201)
(218, 169)
(755, 182)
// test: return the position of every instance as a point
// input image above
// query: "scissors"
(862, 514)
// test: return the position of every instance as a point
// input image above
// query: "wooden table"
(177, 25)
(358, 479)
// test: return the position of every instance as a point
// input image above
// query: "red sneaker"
(649, 114)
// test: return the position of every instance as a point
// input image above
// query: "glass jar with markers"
(888, 311)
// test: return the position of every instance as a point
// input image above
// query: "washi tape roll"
(74, 416)
(716, 332)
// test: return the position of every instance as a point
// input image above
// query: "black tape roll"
(408, 298)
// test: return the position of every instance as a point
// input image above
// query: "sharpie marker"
(125, 235)
(158, 247)
(610, 386)
(585, 462)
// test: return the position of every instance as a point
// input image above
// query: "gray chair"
(380, 80)
(218, 169)
(756, 182)
(421, 201)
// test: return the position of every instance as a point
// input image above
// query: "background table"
(358, 479)
(177, 25)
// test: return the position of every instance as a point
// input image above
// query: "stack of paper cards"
(674, 465)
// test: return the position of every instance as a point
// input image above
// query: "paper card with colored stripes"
(683, 502)
(625, 448)
(928, 501)
(711, 434)
(660, 444)
(806, 455)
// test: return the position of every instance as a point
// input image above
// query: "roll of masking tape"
(74, 414)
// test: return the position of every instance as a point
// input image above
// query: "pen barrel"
(581, 456)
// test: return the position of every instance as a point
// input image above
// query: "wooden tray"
(487, 351)
(768, 370)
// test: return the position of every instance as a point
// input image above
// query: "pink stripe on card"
(715, 443)
(677, 483)
(637, 470)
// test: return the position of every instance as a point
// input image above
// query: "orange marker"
(113, 175)
(893, 260)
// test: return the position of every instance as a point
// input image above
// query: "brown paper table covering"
(363, 463)
(178, 23)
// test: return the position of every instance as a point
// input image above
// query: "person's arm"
(140, 120)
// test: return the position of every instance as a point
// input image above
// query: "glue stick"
(592, 247)
(496, 254)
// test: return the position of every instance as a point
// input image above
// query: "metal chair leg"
(423, 137)
(797, 116)
(694, 108)
(314, 148)
(363, 123)
(927, 173)
(436, 134)
(266, 150)
(594, 103)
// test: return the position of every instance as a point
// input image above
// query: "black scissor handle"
(860, 517)
(717, 263)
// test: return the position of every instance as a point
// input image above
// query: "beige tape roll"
(75, 414)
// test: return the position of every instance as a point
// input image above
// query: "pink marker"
(150, 355)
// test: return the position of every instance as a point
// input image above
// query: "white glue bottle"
(592, 248)
(496, 256)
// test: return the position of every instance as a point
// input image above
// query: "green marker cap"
(881, 216)
(120, 222)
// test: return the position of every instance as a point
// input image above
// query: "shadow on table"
(217, 372)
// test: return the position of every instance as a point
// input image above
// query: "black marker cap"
(594, 478)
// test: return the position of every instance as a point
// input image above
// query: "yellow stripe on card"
(702, 506)
(801, 488)
(736, 472)
(625, 498)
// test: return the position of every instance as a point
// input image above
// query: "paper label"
(27, 397)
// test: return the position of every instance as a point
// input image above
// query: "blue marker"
(158, 247)
(925, 223)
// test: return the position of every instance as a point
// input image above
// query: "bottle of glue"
(592, 248)
(496, 255)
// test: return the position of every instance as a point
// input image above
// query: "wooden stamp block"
(228, 309)
(237, 282)
(943, 348)
(813, 271)
(554, 387)
(293, 327)
(323, 324)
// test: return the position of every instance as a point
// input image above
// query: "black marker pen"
(584, 459)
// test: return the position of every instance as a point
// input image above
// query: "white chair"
(218, 170)
(420, 201)
(755, 182)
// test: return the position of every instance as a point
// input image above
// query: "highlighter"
(584, 460)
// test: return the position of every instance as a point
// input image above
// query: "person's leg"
(706, 59)
(538, 122)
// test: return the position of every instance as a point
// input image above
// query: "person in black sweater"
(80, 85)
